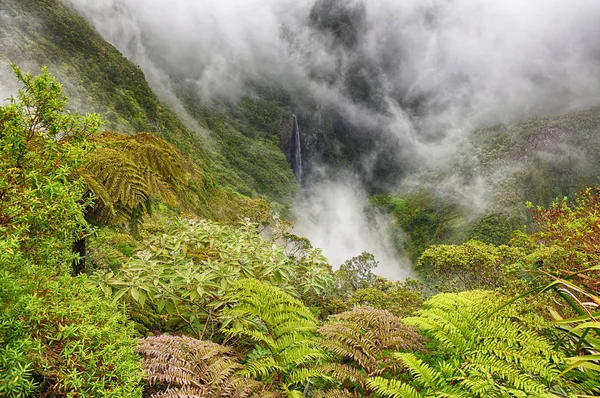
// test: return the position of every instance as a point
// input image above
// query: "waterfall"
(296, 150)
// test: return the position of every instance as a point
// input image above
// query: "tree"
(356, 273)
(57, 334)
(41, 146)
(124, 174)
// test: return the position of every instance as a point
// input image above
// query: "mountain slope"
(233, 150)
(483, 192)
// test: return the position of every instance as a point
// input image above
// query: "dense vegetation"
(149, 259)
(169, 303)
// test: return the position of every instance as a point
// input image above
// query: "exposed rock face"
(291, 146)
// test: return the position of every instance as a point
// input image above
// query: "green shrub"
(399, 298)
(59, 330)
(425, 219)
(183, 274)
(471, 265)
(491, 228)
(41, 202)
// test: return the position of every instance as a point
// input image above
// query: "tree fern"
(126, 171)
(282, 330)
(124, 174)
(193, 368)
(485, 354)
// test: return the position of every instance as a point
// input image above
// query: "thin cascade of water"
(296, 149)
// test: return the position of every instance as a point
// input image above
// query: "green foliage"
(581, 334)
(127, 172)
(247, 154)
(183, 275)
(562, 251)
(423, 218)
(479, 352)
(58, 335)
(567, 234)
(58, 330)
(16, 369)
(364, 339)
(491, 228)
(471, 265)
(282, 330)
(356, 273)
(399, 298)
(110, 248)
(356, 284)
(40, 147)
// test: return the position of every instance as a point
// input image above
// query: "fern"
(127, 171)
(487, 353)
(282, 330)
(193, 368)
(391, 388)
(333, 394)
(366, 336)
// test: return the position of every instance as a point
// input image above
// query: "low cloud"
(332, 214)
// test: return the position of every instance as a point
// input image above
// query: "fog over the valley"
(424, 72)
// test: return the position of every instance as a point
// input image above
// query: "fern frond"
(303, 375)
(343, 372)
(183, 392)
(491, 354)
(333, 394)
(128, 170)
(193, 368)
(260, 367)
(256, 336)
(391, 388)
(282, 326)
(423, 373)
(365, 334)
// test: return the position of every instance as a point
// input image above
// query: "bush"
(41, 203)
(60, 334)
(182, 275)
(471, 265)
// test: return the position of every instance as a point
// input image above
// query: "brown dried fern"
(188, 367)
(365, 338)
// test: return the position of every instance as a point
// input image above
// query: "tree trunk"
(79, 247)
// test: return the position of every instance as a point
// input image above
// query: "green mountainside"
(483, 193)
(236, 145)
